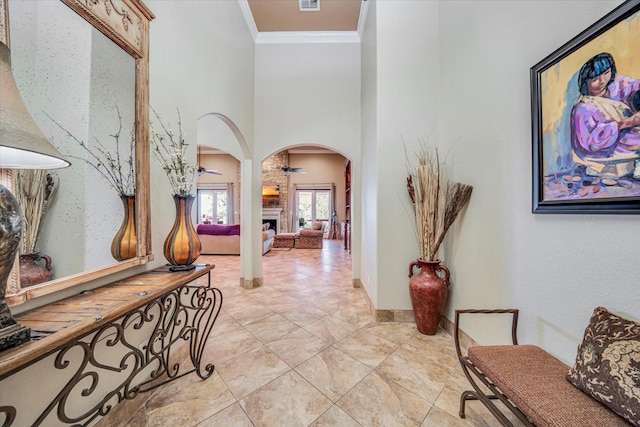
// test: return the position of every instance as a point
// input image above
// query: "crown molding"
(248, 17)
(293, 37)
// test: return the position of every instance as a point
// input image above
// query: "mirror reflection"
(78, 86)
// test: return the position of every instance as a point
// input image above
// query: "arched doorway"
(311, 188)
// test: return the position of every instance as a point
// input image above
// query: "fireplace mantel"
(272, 214)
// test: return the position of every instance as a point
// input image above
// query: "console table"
(138, 321)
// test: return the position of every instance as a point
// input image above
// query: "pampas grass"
(435, 208)
(35, 191)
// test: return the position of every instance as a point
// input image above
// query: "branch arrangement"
(118, 171)
(170, 150)
(435, 208)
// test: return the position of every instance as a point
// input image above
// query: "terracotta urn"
(35, 268)
(428, 290)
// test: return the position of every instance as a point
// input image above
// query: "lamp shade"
(22, 144)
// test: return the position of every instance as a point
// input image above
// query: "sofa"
(310, 238)
(221, 239)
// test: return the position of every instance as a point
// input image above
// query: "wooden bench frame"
(173, 308)
(474, 375)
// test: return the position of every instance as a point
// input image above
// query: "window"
(212, 207)
(312, 206)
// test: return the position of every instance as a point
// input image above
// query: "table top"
(71, 318)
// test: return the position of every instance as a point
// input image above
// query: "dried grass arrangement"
(35, 191)
(435, 206)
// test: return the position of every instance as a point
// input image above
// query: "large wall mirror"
(82, 71)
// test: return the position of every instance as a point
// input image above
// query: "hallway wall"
(555, 268)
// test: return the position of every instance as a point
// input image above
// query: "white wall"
(201, 62)
(555, 268)
(407, 92)
(457, 73)
(307, 94)
(369, 101)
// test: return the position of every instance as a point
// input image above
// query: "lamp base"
(11, 333)
(14, 335)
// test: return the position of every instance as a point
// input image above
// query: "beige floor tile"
(330, 329)
(252, 370)
(376, 402)
(396, 332)
(333, 417)
(245, 315)
(231, 416)
(436, 348)
(366, 347)
(187, 401)
(439, 418)
(297, 346)
(271, 327)
(231, 344)
(287, 401)
(302, 315)
(333, 372)
(379, 374)
(419, 375)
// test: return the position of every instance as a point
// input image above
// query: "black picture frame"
(561, 180)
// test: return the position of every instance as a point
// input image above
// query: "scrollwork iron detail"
(187, 313)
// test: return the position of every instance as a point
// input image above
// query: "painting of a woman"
(605, 121)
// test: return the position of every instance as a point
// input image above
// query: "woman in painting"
(605, 120)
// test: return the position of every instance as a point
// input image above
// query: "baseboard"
(384, 315)
(251, 283)
(407, 316)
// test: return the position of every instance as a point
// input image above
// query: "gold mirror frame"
(126, 23)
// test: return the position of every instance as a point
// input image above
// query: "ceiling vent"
(309, 5)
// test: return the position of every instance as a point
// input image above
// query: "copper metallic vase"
(429, 293)
(125, 243)
(182, 246)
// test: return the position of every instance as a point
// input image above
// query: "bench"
(534, 385)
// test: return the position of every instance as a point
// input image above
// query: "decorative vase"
(182, 246)
(32, 271)
(125, 243)
(428, 294)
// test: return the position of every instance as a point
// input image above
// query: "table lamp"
(22, 146)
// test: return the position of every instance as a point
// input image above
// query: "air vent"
(309, 5)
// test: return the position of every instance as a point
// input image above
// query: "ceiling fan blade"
(202, 170)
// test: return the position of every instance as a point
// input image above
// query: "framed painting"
(585, 103)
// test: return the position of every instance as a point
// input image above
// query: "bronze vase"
(182, 246)
(428, 291)
(125, 243)
(35, 268)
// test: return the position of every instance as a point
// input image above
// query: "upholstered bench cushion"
(536, 383)
(284, 240)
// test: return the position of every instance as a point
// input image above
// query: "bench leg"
(486, 401)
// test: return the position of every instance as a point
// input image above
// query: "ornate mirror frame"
(126, 23)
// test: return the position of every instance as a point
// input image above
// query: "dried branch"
(170, 151)
(435, 210)
(110, 166)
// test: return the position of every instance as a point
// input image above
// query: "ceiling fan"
(200, 169)
(286, 170)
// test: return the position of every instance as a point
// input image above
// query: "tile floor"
(303, 350)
